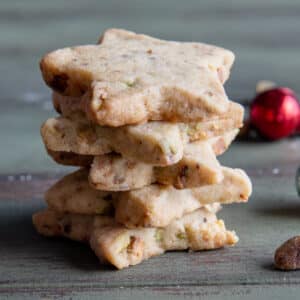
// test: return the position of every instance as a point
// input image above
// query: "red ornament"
(275, 113)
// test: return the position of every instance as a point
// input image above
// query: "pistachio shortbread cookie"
(122, 247)
(219, 145)
(145, 206)
(157, 205)
(73, 193)
(157, 143)
(70, 106)
(154, 143)
(197, 167)
(71, 158)
(111, 172)
(74, 226)
(131, 78)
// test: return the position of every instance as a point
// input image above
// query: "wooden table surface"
(265, 37)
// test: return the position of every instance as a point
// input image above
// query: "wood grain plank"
(163, 293)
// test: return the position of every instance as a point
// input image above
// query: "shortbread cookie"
(146, 206)
(154, 143)
(73, 193)
(67, 105)
(71, 158)
(214, 127)
(157, 205)
(122, 247)
(197, 167)
(111, 172)
(157, 143)
(74, 226)
(70, 106)
(131, 78)
(219, 145)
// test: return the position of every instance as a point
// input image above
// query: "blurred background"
(264, 35)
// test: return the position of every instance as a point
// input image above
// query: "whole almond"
(287, 256)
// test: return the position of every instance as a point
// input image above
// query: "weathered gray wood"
(219, 292)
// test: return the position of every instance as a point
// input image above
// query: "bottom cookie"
(122, 247)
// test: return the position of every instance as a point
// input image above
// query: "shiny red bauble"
(275, 113)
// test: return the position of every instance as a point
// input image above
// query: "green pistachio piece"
(181, 235)
(158, 235)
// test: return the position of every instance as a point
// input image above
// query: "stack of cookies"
(144, 119)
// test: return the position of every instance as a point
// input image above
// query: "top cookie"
(130, 78)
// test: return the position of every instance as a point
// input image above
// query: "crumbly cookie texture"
(112, 172)
(145, 206)
(219, 145)
(154, 143)
(71, 158)
(73, 193)
(157, 143)
(198, 167)
(130, 78)
(122, 247)
(70, 106)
